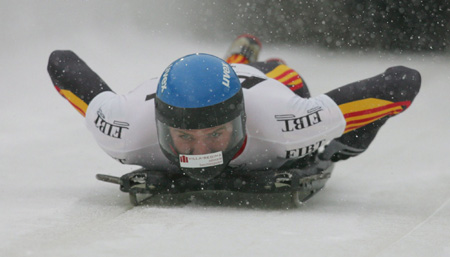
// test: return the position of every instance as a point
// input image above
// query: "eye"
(185, 137)
(216, 134)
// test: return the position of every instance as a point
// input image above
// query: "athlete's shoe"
(244, 49)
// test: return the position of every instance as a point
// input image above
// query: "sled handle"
(109, 179)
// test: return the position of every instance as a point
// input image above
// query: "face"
(202, 141)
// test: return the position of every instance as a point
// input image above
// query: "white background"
(394, 200)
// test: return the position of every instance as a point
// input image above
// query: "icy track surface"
(394, 200)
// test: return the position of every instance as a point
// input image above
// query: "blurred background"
(363, 25)
(413, 25)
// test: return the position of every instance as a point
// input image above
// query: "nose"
(200, 147)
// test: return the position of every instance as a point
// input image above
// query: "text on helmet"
(226, 75)
(164, 78)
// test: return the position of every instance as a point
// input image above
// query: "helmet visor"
(202, 153)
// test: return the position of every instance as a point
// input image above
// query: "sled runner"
(301, 184)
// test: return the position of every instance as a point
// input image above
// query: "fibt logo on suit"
(293, 123)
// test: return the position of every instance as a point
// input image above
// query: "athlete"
(205, 116)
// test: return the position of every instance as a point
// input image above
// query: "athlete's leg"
(74, 80)
(367, 105)
(277, 69)
(244, 49)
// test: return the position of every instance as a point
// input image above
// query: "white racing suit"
(281, 126)
(283, 123)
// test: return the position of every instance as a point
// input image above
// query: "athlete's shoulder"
(245, 70)
(145, 91)
(252, 78)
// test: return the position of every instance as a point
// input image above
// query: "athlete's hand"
(337, 151)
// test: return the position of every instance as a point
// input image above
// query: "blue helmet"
(200, 114)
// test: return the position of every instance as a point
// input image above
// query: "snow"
(394, 200)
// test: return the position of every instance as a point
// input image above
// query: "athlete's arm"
(74, 80)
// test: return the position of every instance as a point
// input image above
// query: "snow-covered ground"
(394, 200)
